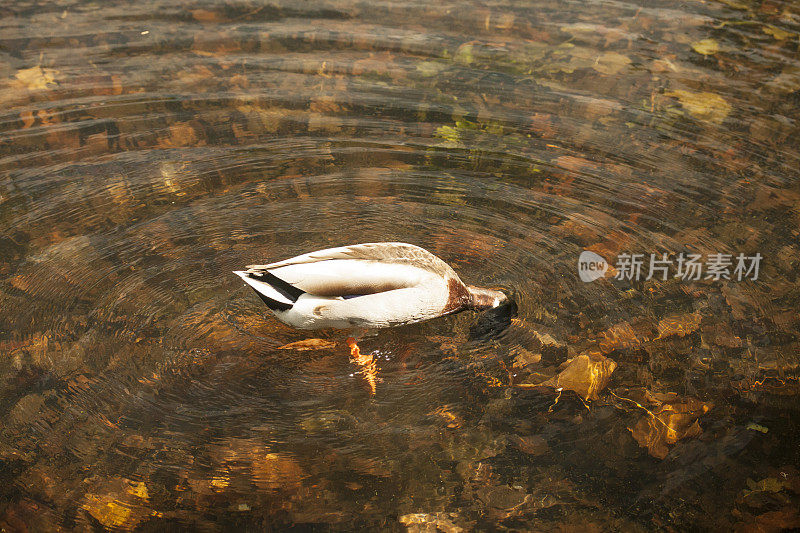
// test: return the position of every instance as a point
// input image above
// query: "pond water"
(147, 149)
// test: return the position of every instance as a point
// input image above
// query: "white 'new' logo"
(591, 266)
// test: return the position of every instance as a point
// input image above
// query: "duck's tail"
(273, 291)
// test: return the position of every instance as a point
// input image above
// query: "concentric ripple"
(147, 149)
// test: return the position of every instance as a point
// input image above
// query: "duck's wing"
(360, 269)
(389, 252)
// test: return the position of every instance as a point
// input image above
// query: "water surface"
(149, 148)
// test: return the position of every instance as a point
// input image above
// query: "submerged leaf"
(464, 54)
(770, 484)
(669, 424)
(778, 33)
(706, 47)
(35, 78)
(585, 374)
(449, 134)
(611, 63)
(309, 344)
(525, 357)
(429, 69)
(108, 512)
(703, 105)
(119, 503)
(430, 522)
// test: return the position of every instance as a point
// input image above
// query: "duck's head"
(481, 298)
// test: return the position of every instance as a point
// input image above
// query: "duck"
(365, 286)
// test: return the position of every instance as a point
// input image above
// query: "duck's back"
(362, 269)
(388, 252)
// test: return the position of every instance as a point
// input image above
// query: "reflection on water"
(148, 149)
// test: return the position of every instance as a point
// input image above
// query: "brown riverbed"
(147, 149)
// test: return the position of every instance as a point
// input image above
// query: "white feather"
(380, 310)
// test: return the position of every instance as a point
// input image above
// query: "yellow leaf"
(464, 54)
(669, 424)
(220, 482)
(448, 133)
(584, 374)
(138, 489)
(706, 47)
(778, 33)
(309, 344)
(703, 105)
(108, 512)
(430, 522)
(611, 63)
(35, 78)
(428, 69)
(525, 357)
(451, 419)
(770, 484)
(118, 503)
(580, 28)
